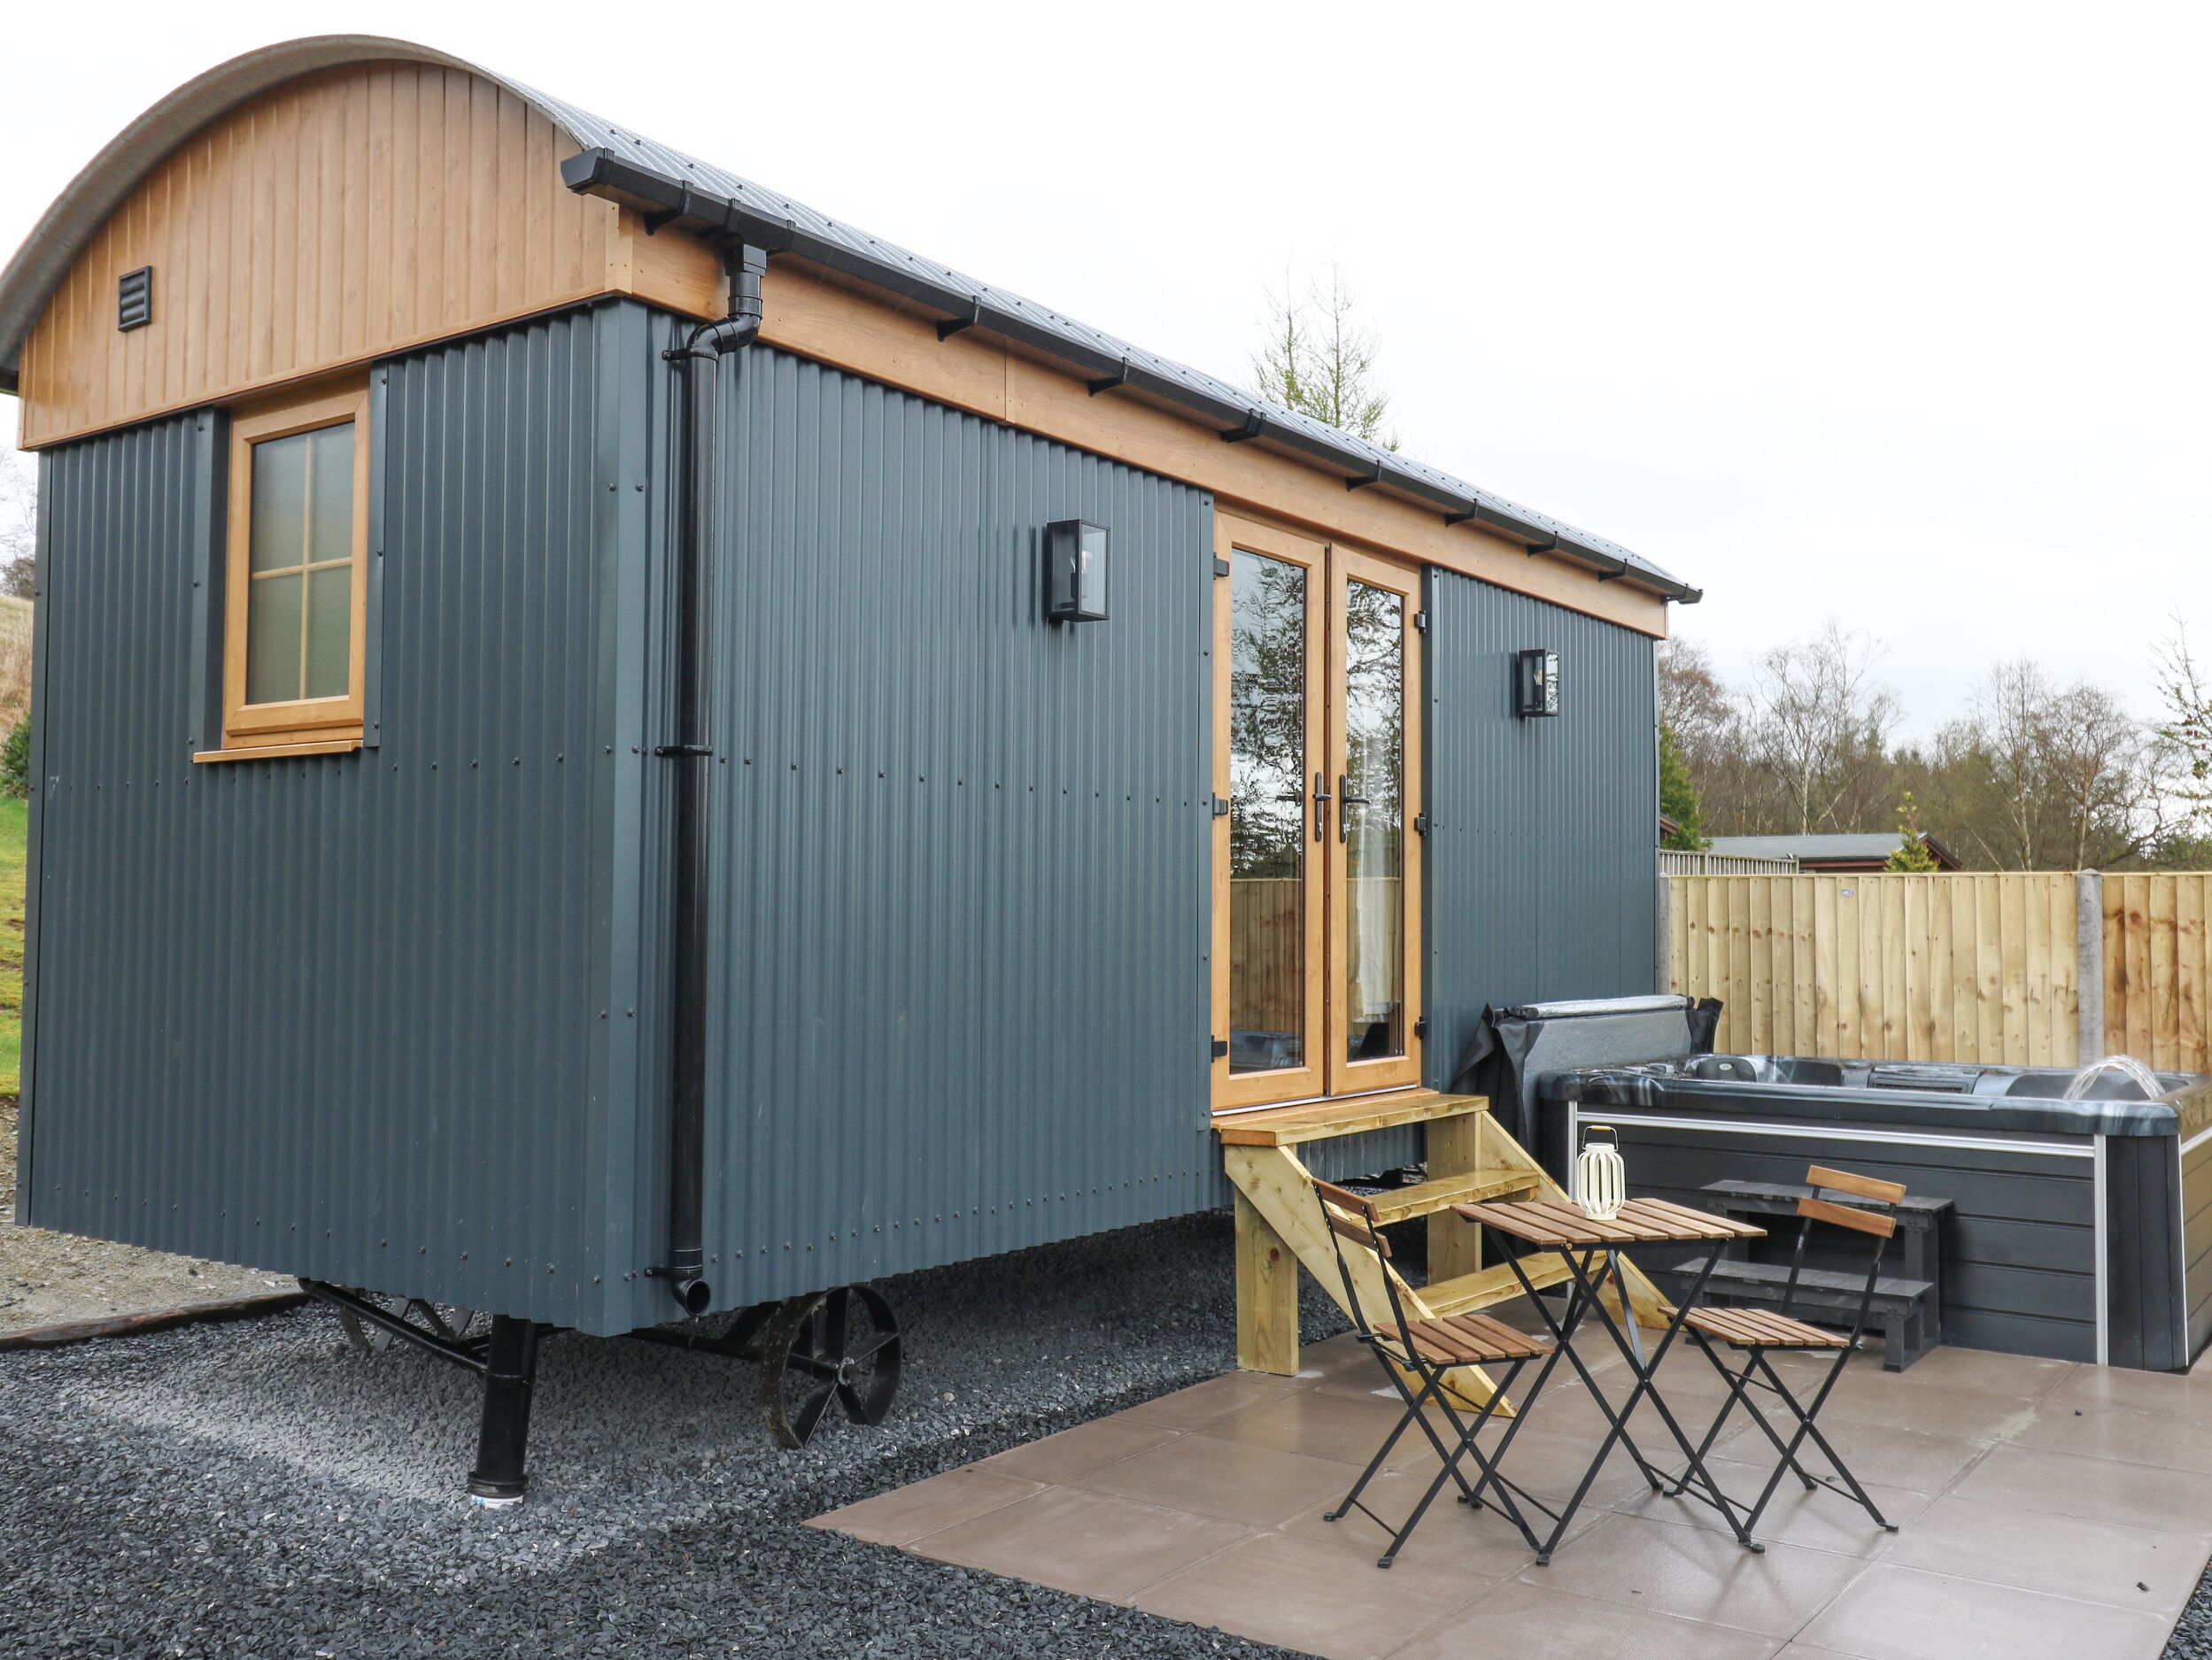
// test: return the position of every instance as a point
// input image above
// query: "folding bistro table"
(1591, 1249)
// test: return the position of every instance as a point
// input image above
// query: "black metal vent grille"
(133, 299)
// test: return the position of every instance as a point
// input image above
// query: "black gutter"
(693, 751)
(664, 201)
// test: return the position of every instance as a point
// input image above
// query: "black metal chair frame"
(1755, 1359)
(1347, 1215)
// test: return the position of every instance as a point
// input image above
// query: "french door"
(1317, 867)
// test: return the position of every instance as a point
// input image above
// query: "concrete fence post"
(1663, 937)
(2089, 964)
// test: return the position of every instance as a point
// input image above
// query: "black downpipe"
(693, 751)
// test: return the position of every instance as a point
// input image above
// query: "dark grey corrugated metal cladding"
(1543, 863)
(959, 855)
(343, 1016)
(398, 1019)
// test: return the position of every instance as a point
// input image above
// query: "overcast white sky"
(1895, 313)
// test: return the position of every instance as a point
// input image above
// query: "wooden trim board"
(816, 315)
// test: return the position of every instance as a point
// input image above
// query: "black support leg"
(511, 1370)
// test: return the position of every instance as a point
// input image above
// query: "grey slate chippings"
(261, 1489)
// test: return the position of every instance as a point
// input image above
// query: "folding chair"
(1426, 1350)
(1755, 1333)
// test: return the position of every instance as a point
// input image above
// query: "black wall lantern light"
(1536, 681)
(1075, 572)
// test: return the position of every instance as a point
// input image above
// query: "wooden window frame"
(304, 725)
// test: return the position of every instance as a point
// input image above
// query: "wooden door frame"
(1328, 565)
(1347, 1077)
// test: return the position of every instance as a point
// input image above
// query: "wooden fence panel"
(2158, 970)
(1971, 967)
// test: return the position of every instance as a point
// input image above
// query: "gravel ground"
(57, 1279)
(261, 1489)
(2193, 1634)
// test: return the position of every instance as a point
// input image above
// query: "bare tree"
(19, 528)
(2184, 691)
(2037, 776)
(1318, 359)
(2102, 783)
(2010, 727)
(1820, 726)
(1694, 703)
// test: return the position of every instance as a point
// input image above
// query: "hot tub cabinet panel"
(2079, 1229)
(2194, 1159)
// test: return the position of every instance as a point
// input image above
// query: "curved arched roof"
(617, 162)
(108, 179)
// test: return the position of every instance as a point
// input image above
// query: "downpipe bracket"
(687, 1283)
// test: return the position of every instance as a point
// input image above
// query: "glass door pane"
(1371, 797)
(1269, 839)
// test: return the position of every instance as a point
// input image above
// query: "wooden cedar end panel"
(809, 313)
(334, 219)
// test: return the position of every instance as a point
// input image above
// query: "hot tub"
(2080, 1229)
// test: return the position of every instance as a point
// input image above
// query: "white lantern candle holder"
(1601, 1180)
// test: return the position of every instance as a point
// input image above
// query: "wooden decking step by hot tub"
(1470, 1158)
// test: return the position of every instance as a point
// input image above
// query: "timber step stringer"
(1471, 1158)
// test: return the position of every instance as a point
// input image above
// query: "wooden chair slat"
(1446, 1342)
(1847, 1217)
(1759, 1328)
(1344, 1199)
(1860, 1186)
(1361, 1233)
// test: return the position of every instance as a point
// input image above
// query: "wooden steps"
(1491, 1286)
(1288, 1126)
(1425, 1199)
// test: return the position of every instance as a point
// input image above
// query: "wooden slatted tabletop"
(1556, 1223)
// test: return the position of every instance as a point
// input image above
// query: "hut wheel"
(842, 1344)
(453, 1324)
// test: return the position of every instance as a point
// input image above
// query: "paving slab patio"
(2043, 1509)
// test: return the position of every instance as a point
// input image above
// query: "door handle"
(1321, 805)
(1346, 801)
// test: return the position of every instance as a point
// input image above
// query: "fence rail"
(1675, 863)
